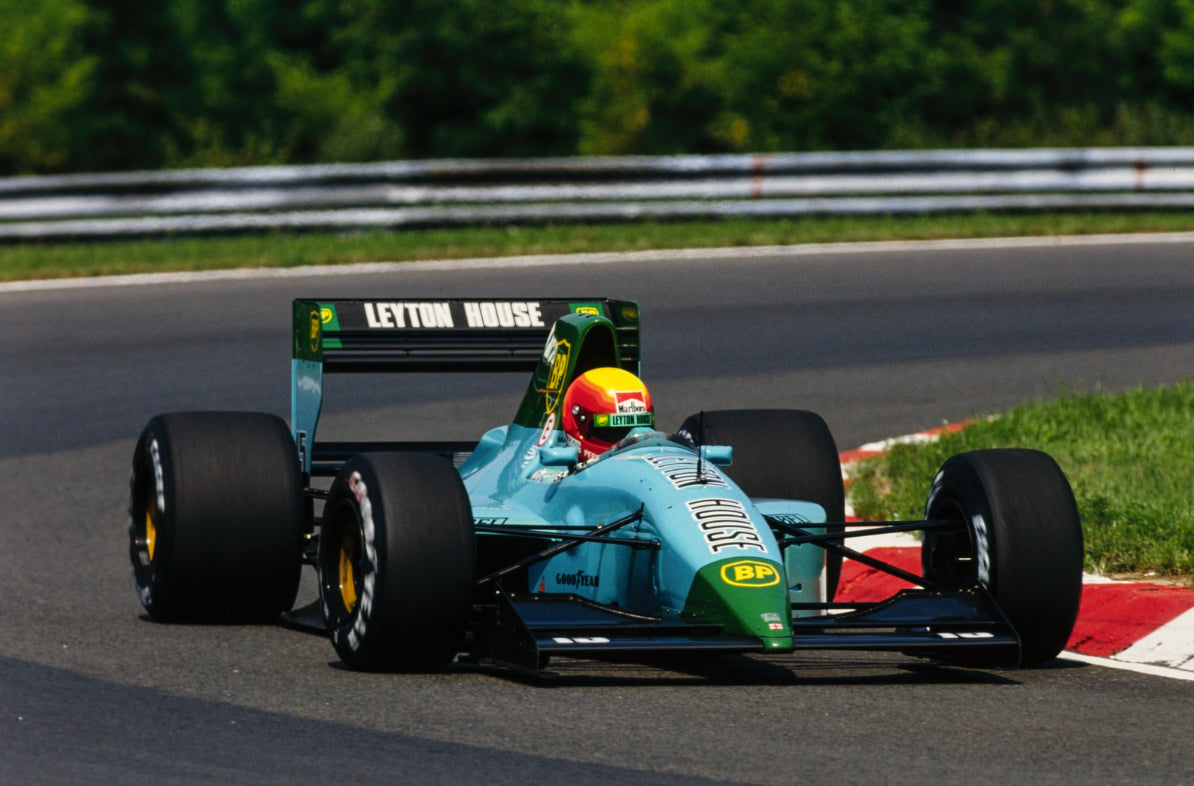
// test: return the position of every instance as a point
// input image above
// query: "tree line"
(93, 85)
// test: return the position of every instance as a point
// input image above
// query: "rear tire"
(216, 517)
(397, 554)
(782, 454)
(1019, 536)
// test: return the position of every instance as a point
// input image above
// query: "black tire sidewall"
(230, 512)
(152, 484)
(957, 493)
(1025, 536)
(417, 562)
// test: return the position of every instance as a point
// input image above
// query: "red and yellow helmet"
(601, 407)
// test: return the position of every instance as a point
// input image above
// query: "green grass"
(23, 261)
(1128, 456)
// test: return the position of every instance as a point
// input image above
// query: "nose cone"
(746, 596)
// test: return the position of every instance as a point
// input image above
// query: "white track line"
(1139, 668)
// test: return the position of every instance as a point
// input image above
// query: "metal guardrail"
(559, 190)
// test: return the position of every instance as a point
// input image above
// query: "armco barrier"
(559, 190)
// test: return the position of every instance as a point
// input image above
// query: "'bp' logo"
(749, 573)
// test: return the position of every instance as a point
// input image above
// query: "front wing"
(521, 631)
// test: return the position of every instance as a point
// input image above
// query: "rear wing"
(379, 335)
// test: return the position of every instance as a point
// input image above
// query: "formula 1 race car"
(725, 537)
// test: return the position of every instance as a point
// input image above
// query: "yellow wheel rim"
(348, 572)
(151, 532)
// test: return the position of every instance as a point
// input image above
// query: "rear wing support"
(455, 335)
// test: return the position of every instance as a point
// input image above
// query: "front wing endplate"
(920, 622)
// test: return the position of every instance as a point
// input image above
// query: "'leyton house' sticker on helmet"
(645, 419)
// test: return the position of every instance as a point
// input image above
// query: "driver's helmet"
(601, 407)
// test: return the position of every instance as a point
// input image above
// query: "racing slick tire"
(1019, 536)
(397, 555)
(780, 453)
(216, 517)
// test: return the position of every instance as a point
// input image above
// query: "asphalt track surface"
(879, 340)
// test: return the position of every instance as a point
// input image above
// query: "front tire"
(1018, 535)
(397, 554)
(781, 454)
(216, 517)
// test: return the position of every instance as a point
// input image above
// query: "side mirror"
(558, 456)
(718, 455)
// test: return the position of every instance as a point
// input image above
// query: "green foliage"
(117, 84)
(1129, 457)
(126, 118)
(650, 91)
(216, 103)
(423, 78)
(841, 75)
(44, 71)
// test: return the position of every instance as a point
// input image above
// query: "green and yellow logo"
(557, 373)
(750, 573)
(316, 330)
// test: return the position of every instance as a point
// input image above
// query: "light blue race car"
(725, 537)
